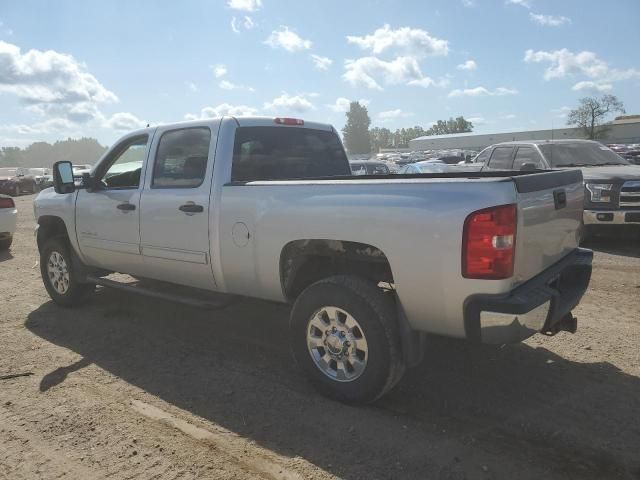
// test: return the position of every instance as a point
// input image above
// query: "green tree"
(592, 113)
(444, 127)
(356, 135)
(380, 138)
(43, 154)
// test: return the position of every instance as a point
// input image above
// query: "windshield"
(580, 154)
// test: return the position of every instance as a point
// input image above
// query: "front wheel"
(58, 275)
(344, 335)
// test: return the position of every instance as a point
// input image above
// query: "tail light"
(488, 243)
(288, 121)
(7, 203)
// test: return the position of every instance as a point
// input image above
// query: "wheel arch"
(50, 226)
(305, 261)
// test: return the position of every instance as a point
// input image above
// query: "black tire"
(375, 313)
(76, 291)
(6, 243)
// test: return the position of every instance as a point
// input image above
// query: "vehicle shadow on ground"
(625, 245)
(465, 406)
(5, 255)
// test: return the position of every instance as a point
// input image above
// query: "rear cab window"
(181, 159)
(281, 153)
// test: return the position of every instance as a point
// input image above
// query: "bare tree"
(592, 113)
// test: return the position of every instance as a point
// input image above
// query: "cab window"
(527, 155)
(125, 166)
(181, 159)
(501, 158)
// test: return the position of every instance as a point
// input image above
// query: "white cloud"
(48, 126)
(227, 85)
(477, 121)
(509, 116)
(222, 110)
(124, 121)
(549, 20)
(469, 3)
(245, 5)
(468, 65)
(482, 91)
(287, 39)
(246, 22)
(49, 80)
(521, 3)
(321, 63)
(592, 86)
(413, 41)
(192, 86)
(564, 62)
(561, 112)
(290, 103)
(393, 114)
(342, 104)
(219, 70)
(370, 72)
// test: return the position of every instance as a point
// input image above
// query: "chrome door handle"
(127, 207)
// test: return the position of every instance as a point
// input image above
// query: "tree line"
(359, 138)
(590, 117)
(43, 154)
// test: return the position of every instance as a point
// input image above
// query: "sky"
(74, 68)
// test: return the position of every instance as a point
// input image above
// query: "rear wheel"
(5, 243)
(58, 274)
(345, 337)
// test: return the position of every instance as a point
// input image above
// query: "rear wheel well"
(303, 262)
(49, 227)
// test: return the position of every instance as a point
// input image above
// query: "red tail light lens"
(288, 121)
(7, 203)
(488, 243)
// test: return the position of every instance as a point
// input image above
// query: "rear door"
(174, 212)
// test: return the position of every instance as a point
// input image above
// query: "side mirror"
(63, 177)
(528, 167)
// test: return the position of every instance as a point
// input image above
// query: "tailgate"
(550, 209)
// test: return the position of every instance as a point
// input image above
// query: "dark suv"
(612, 184)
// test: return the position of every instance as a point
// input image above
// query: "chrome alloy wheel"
(58, 273)
(337, 344)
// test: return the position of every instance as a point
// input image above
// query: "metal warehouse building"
(623, 130)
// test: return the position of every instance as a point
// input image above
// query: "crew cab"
(612, 184)
(268, 208)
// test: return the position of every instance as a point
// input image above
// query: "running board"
(199, 300)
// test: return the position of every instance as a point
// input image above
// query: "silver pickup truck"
(268, 208)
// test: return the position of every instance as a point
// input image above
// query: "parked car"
(42, 176)
(268, 208)
(369, 167)
(16, 180)
(612, 184)
(428, 166)
(8, 214)
(79, 170)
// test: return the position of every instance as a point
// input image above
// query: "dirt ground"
(127, 387)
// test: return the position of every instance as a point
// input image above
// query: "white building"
(623, 130)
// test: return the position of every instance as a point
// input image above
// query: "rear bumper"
(611, 217)
(537, 305)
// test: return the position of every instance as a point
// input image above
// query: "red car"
(16, 180)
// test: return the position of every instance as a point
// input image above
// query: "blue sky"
(74, 68)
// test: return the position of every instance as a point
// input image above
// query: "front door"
(108, 217)
(174, 210)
